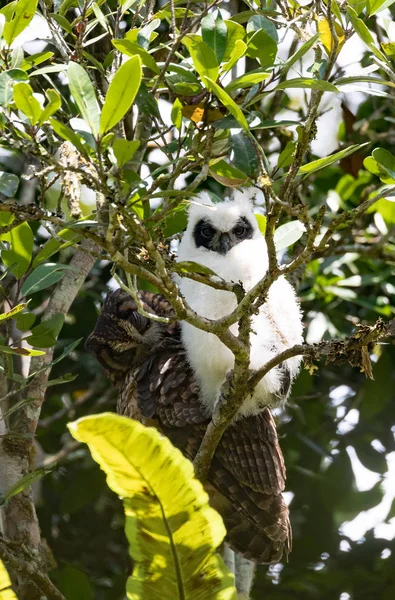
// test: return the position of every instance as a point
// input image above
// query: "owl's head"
(222, 226)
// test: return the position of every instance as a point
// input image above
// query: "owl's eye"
(207, 231)
(240, 231)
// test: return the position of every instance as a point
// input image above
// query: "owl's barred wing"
(147, 361)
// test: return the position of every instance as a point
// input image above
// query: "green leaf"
(44, 335)
(26, 102)
(259, 22)
(215, 33)
(190, 266)
(14, 311)
(22, 14)
(8, 184)
(69, 135)
(375, 6)
(25, 321)
(315, 165)
(42, 277)
(172, 531)
(261, 223)
(121, 93)
(6, 592)
(288, 234)
(285, 158)
(7, 81)
(301, 51)
(247, 80)
(227, 174)
(364, 33)
(132, 49)
(83, 92)
(262, 47)
(23, 483)
(54, 103)
(176, 113)
(204, 59)
(63, 22)
(53, 246)
(19, 256)
(226, 101)
(235, 33)
(239, 49)
(303, 82)
(243, 155)
(124, 150)
(73, 583)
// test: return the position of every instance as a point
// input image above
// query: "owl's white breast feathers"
(276, 327)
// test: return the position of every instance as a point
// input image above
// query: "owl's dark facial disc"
(207, 236)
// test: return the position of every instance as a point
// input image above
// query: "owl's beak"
(224, 243)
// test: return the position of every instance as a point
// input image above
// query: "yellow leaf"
(172, 531)
(326, 35)
(6, 592)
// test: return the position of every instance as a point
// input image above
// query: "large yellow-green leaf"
(121, 93)
(83, 92)
(21, 15)
(172, 531)
(204, 59)
(6, 592)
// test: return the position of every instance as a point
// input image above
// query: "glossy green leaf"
(286, 156)
(7, 81)
(375, 6)
(54, 103)
(8, 184)
(171, 529)
(44, 335)
(23, 12)
(315, 165)
(239, 50)
(42, 277)
(23, 483)
(364, 33)
(235, 33)
(83, 92)
(247, 80)
(26, 102)
(124, 150)
(176, 113)
(226, 101)
(204, 59)
(243, 155)
(214, 34)
(121, 93)
(227, 174)
(303, 82)
(132, 49)
(69, 135)
(262, 47)
(19, 256)
(24, 321)
(301, 51)
(288, 234)
(53, 246)
(259, 22)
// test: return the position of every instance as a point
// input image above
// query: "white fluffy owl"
(226, 238)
